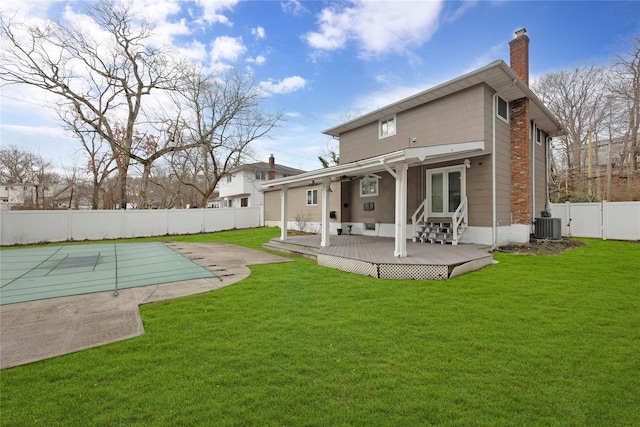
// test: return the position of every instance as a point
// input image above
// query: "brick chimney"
(521, 187)
(272, 167)
(519, 49)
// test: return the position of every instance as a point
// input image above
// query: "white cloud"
(258, 60)
(377, 27)
(286, 85)
(381, 98)
(193, 51)
(487, 57)
(258, 32)
(226, 48)
(211, 11)
(37, 9)
(293, 7)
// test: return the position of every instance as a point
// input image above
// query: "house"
(466, 161)
(242, 186)
(29, 195)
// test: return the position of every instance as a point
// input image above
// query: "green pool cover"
(54, 271)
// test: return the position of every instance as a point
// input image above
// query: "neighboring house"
(618, 150)
(24, 194)
(242, 186)
(464, 161)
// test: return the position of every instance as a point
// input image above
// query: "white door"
(445, 189)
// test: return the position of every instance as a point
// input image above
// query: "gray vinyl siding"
(384, 202)
(479, 176)
(297, 208)
(462, 117)
(453, 119)
(503, 170)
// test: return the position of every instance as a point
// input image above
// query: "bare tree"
(100, 162)
(332, 157)
(220, 114)
(16, 165)
(99, 82)
(575, 98)
(625, 87)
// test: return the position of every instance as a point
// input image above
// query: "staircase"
(439, 230)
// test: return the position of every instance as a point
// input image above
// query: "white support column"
(326, 201)
(283, 212)
(401, 211)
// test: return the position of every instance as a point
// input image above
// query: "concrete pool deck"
(44, 328)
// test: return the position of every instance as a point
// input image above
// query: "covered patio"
(373, 256)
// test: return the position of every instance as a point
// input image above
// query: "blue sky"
(321, 63)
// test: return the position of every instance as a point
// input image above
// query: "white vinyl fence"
(603, 220)
(25, 227)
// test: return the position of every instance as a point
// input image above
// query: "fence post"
(567, 216)
(603, 216)
(69, 225)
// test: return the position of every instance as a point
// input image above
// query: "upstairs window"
(540, 136)
(261, 175)
(228, 178)
(387, 127)
(312, 197)
(502, 109)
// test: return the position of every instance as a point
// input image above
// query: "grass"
(529, 341)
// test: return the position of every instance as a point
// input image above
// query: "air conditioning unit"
(548, 228)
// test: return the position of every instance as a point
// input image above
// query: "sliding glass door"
(445, 188)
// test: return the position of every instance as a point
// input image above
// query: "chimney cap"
(521, 32)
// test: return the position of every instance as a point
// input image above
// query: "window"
(228, 178)
(502, 109)
(244, 202)
(312, 197)
(368, 187)
(261, 175)
(540, 136)
(387, 127)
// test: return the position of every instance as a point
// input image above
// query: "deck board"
(380, 250)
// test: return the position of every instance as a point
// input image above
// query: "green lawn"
(537, 341)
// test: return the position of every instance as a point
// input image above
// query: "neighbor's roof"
(498, 75)
(264, 166)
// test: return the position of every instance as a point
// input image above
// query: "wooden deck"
(373, 256)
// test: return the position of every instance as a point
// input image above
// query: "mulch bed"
(541, 247)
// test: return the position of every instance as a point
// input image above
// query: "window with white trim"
(228, 178)
(387, 127)
(261, 175)
(502, 109)
(368, 187)
(540, 135)
(312, 197)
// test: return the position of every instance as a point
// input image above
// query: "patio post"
(326, 193)
(283, 212)
(401, 211)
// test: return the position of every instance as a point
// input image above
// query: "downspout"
(494, 193)
(494, 197)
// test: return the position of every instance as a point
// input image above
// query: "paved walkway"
(37, 330)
